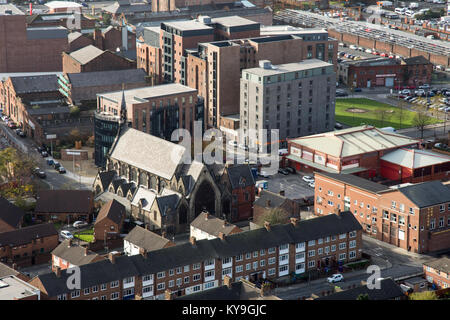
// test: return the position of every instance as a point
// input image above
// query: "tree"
(274, 216)
(401, 114)
(382, 115)
(421, 120)
(424, 295)
(364, 296)
(15, 174)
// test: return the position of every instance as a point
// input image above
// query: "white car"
(264, 174)
(79, 224)
(308, 179)
(66, 234)
(335, 278)
(312, 184)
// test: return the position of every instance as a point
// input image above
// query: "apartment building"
(270, 252)
(437, 272)
(355, 150)
(414, 217)
(157, 110)
(296, 99)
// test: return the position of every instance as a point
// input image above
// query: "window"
(248, 255)
(186, 279)
(272, 250)
(327, 250)
(311, 243)
(114, 284)
(226, 260)
(401, 220)
(255, 264)
(160, 275)
(319, 251)
(311, 253)
(209, 273)
(196, 277)
(75, 294)
(333, 238)
(86, 291)
(333, 248)
(352, 244)
(320, 241)
(128, 280)
(284, 257)
(442, 208)
(311, 264)
(393, 204)
(62, 297)
(179, 270)
(239, 258)
(282, 269)
(161, 286)
(196, 266)
(179, 282)
(385, 214)
(432, 224)
(262, 252)
(114, 296)
(186, 268)
(271, 272)
(262, 263)
(272, 260)
(103, 286)
(393, 217)
(411, 210)
(171, 283)
(255, 254)
(342, 236)
(283, 247)
(342, 245)
(248, 266)
(352, 254)
(342, 256)
(352, 234)
(239, 269)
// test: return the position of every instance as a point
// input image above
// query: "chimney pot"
(143, 252)
(14, 266)
(267, 225)
(112, 258)
(58, 271)
(224, 223)
(168, 294)
(163, 234)
(206, 215)
(294, 221)
(227, 281)
(222, 236)
(86, 251)
(192, 240)
(282, 193)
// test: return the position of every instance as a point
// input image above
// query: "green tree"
(15, 173)
(424, 295)
(363, 297)
(274, 216)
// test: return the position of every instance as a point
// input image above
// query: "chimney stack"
(294, 221)
(58, 271)
(192, 240)
(168, 294)
(14, 266)
(163, 234)
(112, 257)
(267, 225)
(222, 236)
(265, 289)
(282, 193)
(206, 215)
(143, 252)
(224, 223)
(86, 251)
(227, 281)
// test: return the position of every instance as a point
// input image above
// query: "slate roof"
(146, 239)
(113, 210)
(240, 176)
(46, 33)
(10, 213)
(73, 36)
(145, 196)
(441, 264)
(389, 290)
(356, 181)
(416, 60)
(103, 78)
(184, 254)
(168, 202)
(74, 254)
(31, 84)
(63, 201)
(51, 110)
(86, 54)
(7, 271)
(427, 194)
(276, 200)
(148, 152)
(26, 235)
(211, 224)
(106, 177)
(219, 293)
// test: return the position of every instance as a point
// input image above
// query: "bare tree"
(382, 115)
(421, 120)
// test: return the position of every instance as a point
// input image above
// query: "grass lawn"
(371, 114)
(85, 235)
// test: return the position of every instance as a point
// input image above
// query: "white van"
(400, 10)
(409, 13)
(413, 5)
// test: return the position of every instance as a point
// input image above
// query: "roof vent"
(8, 11)
(265, 64)
(204, 19)
(3, 284)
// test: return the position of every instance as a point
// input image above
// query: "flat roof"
(288, 67)
(287, 29)
(354, 141)
(10, 7)
(140, 95)
(188, 25)
(12, 288)
(412, 158)
(63, 4)
(234, 21)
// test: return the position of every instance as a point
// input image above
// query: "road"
(54, 179)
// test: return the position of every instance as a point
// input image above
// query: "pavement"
(293, 185)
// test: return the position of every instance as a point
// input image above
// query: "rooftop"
(33, 84)
(187, 25)
(143, 94)
(146, 239)
(74, 254)
(102, 78)
(10, 213)
(355, 181)
(112, 210)
(86, 54)
(354, 141)
(288, 67)
(234, 21)
(413, 158)
(9, 9)
(212, 225)
(64, 201)
(27, 234)
(427, 194)
(441, 264)
(12, 288)
(63, 4)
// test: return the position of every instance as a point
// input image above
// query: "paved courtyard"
(292, 184)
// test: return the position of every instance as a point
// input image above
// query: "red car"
(12, 125)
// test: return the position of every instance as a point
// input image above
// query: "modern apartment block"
(270, 252)
(296, 99)
(157, 110)
(414, 217)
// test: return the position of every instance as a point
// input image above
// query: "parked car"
(264, 174)
(12, 125)
(335, 278)
(357, 90)
(312, 184)
(66, 234)
(44, 154)
(290, 169)
(337, 125)
(308, 179)
(406, 92)
(283, 171)
(56, 165)
(80, 224)
(341, 93)
(425, 86)
(61, 170)
(22, 134)
(440, 145)
(50, 162)
(40, 173)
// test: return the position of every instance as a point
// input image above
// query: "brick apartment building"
(355, 150)
(82, 88)
(23, 49)
(110, 38)
(11, 216)
(437, 272)
(414, 217)
(29, 245)
(91, 58)
(157, 110)
(270, 252)
(296, 99)
(64, 205)
(385, 72)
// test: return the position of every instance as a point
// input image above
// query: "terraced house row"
(270, 252)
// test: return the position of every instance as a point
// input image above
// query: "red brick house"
(109, 221)
(68, 255)
(64, 205)
(28, 246)
(11, 216)
(269, 201)
(437, 272)
(239, 185)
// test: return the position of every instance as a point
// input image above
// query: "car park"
(335, 278)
